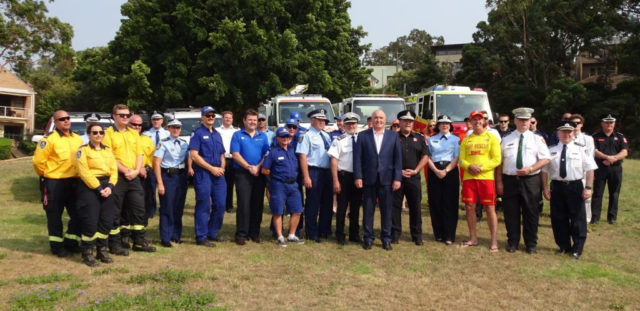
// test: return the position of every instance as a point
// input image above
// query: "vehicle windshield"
(365, 108)
(80, 127)
(286, 108)
(190, 124)
(459, 106)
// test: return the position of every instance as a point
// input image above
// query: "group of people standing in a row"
(108, 184)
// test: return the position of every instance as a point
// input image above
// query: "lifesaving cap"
(475, 113)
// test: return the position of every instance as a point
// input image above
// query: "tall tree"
(27, 34)
(407, 52)
(234, 53)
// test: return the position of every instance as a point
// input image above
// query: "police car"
(190, 119)
(78, 125)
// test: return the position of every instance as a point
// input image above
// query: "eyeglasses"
(124, 115)
(262, 120)
(292, 127)
(503, 121)
(395, 125)
(135, 124)
(101, 133)
(533, 122)
(577, 122)
(210, 116)
(62, 119)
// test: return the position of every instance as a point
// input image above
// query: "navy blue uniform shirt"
(282, 163)
(208, 144)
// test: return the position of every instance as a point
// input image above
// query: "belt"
(345, 173)
(173, 170)
(319, 168)
(567, 182)
(521, 177)
(286, 181)
(441, 164)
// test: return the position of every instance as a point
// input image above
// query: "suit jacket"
(368, 164)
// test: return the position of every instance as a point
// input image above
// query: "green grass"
(324, 276)
(169, 276)
(46, 279)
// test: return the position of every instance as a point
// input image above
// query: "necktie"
(563, 162)
(519, 158)
(326, 142)
(157, 137)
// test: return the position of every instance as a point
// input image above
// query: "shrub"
(5, 148)
(27, 146)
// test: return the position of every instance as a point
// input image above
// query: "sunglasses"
(577, 122)
(261, 120)
(503, 121)
(210, 116)
(62, 119)
(395, 125)
(101, 133)
(124, 115)
(135, 124)
(292, 127)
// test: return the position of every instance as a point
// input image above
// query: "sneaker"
(295, 239)
(281, 242)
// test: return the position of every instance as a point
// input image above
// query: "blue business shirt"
(270, 135)
(335, 134)
(444, 147)
(252, 149)
(208, 144)
(315, 144)
(282, 163)
(162, 134)
(172, 151)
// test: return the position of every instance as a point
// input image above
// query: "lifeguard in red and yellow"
(480, 154)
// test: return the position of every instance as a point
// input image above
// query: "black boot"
(126, 242)
(144, 246)
(59, 250)
(87, 257)
(103, 255)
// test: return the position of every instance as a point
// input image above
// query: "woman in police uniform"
(443, 181)
(99, 172)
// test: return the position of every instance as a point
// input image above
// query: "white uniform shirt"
(534, 148)
(578, 162)
(226, 134)
(342, 149)
(378, 139)
(585, 141)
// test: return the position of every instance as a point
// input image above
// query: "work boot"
(143, 247)
(103, 255)
(87, 257)
(59, 250)
(126, 242)
(117, 249)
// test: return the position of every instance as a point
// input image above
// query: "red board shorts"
(482, 189)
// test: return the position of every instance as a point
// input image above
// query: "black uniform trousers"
(444, 195)
(150, 203)
(520, 199)
(409, 187)
(250, 203)
(568, 217)
(95, 213)
(611, 175)
(229, 178)
(129, 196)
(56, 195)
(350, 198)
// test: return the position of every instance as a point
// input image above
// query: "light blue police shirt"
(444, 147)
(172, 151)
(312, 143)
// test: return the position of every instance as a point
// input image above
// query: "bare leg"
(471, 222)
(492, 221)
(277, 224)
(293, 223)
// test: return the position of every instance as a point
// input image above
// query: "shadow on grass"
(36, 244)
(26, 189)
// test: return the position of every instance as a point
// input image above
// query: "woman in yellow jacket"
(96, 204)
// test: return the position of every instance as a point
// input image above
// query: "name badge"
(205, 137)
(280, 158)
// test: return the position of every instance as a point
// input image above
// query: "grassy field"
(313, 276)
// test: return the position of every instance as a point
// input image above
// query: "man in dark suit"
(377, 167)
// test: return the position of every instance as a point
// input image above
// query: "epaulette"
(166, 139)
(182, 140)
(579, 144)
(343, 136)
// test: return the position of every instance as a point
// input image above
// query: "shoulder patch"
(43, 143)
(78, 154)
(300, 139)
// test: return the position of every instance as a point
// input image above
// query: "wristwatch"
(588, 187)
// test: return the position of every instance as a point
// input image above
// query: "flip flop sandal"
(465, 244)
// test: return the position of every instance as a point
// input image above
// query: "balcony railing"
(13, 112)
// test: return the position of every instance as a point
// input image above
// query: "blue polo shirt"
(444, 147)
(282, 163)
(252, 149)
(208, 144)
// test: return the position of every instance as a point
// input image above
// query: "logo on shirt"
(78, 154)
(43, 144)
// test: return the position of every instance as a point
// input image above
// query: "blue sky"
(95, 22)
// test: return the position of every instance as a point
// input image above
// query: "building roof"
(614, 80)
(9, 82)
